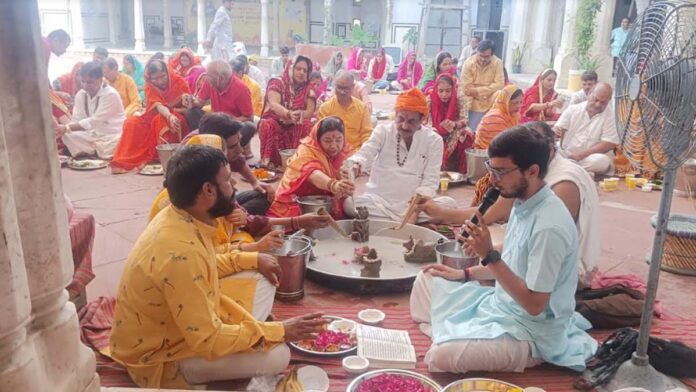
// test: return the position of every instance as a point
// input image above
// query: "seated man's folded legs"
(421, 298)
(597, 163)
(79, 143)
(503, 354)
(260, 303)
(235, 366)
(254, 202)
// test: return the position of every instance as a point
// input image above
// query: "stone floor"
(120, 204)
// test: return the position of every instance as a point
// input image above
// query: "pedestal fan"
(655, 110)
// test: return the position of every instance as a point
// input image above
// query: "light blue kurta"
(541, 247)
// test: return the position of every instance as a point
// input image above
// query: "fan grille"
(656, 87)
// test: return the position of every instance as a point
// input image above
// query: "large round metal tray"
(332, 262)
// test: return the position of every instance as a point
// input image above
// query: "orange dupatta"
(175, 62)
(310, 156)
(142, 134)
(68, 81)
(497, 119)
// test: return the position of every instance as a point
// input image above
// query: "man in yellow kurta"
(482, 77)
(353, 112)
(174, 326)
(240, 66)
(125, 85)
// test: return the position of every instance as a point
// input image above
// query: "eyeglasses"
(498, 173)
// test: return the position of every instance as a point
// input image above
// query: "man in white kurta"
(588, 132)
(220, 33)
(403, 159)
(97, 118)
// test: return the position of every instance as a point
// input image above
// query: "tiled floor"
(121, 204)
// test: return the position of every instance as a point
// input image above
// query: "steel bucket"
(450, 254)
(312, 204)
(165, 152)
(475, 167)
(292, 258)
(285, 155)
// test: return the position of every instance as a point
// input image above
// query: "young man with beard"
(174, 326)
(528, 317)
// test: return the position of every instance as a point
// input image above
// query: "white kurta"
(390, 186)
(588, 223)
(220, 33)
(583, 132)
(102, 118)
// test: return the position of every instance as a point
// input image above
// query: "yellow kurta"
(226, 232)
(356, 119)
(256, 96)
(170, 306)
(128, 90)
(486, 80)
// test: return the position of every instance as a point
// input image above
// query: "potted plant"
(411, 38)
(517, 56)
(585, 35)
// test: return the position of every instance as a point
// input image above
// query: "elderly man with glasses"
(354, 113)
(529, 316)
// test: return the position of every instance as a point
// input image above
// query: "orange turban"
(412, 100)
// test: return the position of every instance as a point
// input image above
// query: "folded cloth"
(629, 281)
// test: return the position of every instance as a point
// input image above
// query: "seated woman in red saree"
(287, 114)
(502, 115)
(541, 101)
(186, 65)
(70, 82)
(448, 116)
(163, 120)
(315, 170)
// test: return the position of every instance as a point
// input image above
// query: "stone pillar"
(76, 34)
(111, 13)
(517, 34)
(565, 59)
(51, 357)
(387, 30)
(202, 32)
(139, 26)
(166, 15)
(602, 45)
(425, 17)
(328, 21)
(264, 28)
(276, 26)
(540, 48)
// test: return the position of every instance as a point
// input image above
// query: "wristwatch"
(491, 257)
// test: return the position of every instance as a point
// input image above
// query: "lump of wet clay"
(372, 264)
(418, 251)
(361, 225)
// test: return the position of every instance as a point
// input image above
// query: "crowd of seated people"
(212, 316)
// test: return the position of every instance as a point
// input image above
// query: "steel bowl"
(434, 387)
(312, 204)
(165, 152)
(450, 254)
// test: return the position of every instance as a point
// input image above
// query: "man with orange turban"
(403, 158)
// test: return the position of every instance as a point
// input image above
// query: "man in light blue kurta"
(528, 317)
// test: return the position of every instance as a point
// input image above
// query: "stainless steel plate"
(481, 385)
(434, 387)
(325, 354)
(332, 263)
(455, 177)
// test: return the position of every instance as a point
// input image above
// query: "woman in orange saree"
(287, 113)
(315, 170)
(541, 101)
(163, 120)
(503, 115)
(187, 65)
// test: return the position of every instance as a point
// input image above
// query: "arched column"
(201, 28)
(139, 26)
(264, 28)
(42, 352)
(167, 26)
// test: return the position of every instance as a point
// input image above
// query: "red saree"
(142, 134)
(535, 94)
(295, 182)
(276, 133)
(68, 82)
(457, 141)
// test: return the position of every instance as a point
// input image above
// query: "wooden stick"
(411, 209)
(332, 222)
